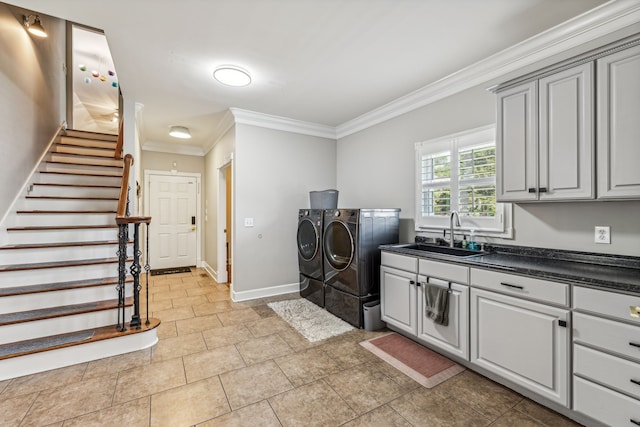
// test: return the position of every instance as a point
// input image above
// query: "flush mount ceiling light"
(180, 132)
(231, 75)
(34, 26)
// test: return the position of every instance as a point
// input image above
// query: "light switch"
(248, 222)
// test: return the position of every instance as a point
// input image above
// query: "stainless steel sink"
(443, 250)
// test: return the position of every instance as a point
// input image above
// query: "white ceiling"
(319, 61)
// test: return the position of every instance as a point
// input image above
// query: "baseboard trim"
(238, 296)
(210, 271)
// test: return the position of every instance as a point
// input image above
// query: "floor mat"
(173, 270)
(423, 365)
(313, 322)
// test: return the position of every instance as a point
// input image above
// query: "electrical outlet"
(603, 234)
(248, 222)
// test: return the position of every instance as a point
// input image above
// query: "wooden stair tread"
(17, 349)
(85, 134)
(53, 184)
(63, 227)
(53, 162)
(76, 141)
(60, 311)
(73, 156)
(66, 212)
(60, 286)
(71, 198)
(60, 244)
(84, 173)
(57, 264)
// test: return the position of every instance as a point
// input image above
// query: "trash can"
(327, 199)
(372, 321)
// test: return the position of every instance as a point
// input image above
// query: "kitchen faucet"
(453, 213)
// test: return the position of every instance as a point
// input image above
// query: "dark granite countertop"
(611, 272)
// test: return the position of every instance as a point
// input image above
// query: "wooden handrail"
(120, 143)
(121, 212)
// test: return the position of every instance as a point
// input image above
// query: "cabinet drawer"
(605, 405)
(615, 372)
(401, 262)
(607, 334)
(543, 290)
(444, 271)
(607, 303)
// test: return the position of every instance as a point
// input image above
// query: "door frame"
(221, 273)
(198, 177)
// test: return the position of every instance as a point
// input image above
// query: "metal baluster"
(135, 272)
(123, 237)
(147, 267)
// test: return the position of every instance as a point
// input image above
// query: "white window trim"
(438, 224)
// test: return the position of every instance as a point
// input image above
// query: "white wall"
(376, 167)
(32, 96)
(274, 172)
(220, 155)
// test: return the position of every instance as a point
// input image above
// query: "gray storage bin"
(372, 316)
(327, 199)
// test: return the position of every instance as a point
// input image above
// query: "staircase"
(59, 263)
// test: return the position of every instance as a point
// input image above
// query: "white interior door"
(172, 234)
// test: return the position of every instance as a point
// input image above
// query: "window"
(458, 172)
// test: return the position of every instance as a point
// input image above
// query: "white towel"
(436, 300)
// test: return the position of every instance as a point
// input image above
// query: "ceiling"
(320, 61)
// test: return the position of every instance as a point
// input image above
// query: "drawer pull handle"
(634, 421)
(411, 282)
(509, 285)
(636, 382)
(634, 344)
(634, 311)
(532, 190)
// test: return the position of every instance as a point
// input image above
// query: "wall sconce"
(34, 27)
(180, 132)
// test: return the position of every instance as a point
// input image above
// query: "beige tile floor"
(220, 363)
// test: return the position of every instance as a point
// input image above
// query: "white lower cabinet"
(606, 356)
(523, 341)
(398, 299)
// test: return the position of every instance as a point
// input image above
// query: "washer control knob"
(336, 213)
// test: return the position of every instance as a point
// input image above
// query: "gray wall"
(274, 172)
(32, 96)
(218, 156)
(376, 168)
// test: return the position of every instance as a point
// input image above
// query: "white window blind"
(458, 172)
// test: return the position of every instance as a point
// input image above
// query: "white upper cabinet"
(619, 125)
(545, 141)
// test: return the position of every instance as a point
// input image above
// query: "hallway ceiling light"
(36, 27)
(231, 75)
(180, 132)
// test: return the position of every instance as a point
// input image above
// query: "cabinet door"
(398, 299)
(454, 337)
(566, 147)
(618, 114)
(517, 144)
(521, 341)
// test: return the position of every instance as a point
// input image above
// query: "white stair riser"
(67, 356)
(42, 219)
(79, 142)
(52, 275)
(84, 161)
(83, 151)
(57, 236)
(93, 170)
(59, 325)
(54, 178)
(36, 301)
(70, 253)
(55, 190)
(67, 204)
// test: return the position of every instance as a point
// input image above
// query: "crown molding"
(598, 22)
(173, 148)
(282, 123)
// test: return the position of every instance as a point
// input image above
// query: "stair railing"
(124, 221)
(119, 142)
